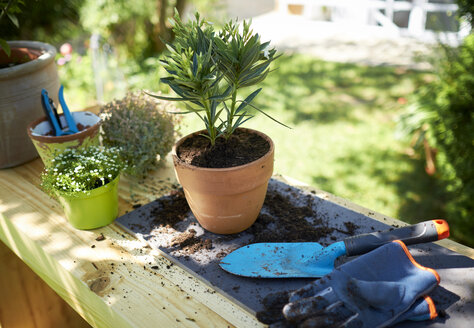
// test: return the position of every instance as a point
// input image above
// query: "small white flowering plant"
(78, 171)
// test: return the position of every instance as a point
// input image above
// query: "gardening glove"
(370, 291)
(423, 309)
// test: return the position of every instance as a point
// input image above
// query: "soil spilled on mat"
(289, 220)
(189, 243)
(282, 222)
(172, 210)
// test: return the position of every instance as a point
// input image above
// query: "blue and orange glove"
(423, 309)
(377, 289)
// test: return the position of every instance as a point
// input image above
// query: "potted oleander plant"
(225, 168)
(85, 181)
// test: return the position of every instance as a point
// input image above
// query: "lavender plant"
(143, 129)
(76, 171)
(208, 68)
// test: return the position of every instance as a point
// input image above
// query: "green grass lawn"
(343, 119)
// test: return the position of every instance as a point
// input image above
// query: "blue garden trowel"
(311, 260)
(53, 117)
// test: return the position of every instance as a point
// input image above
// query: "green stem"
(230, 118)
(210, 128)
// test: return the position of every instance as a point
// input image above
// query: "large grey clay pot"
(20, 97)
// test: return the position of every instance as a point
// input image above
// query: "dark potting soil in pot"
(242, 147)
(80, 127)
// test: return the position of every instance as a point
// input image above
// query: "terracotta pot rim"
(60, 139)
(47, 57)
(225, 169)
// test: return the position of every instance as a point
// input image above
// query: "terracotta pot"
(48, 145)
(225, 200)
(20, 96)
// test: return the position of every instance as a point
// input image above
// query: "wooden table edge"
(77, 293)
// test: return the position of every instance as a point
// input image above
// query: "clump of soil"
(79, 126)
(285, 222)
(289, 220)
(241, 148)
(351, 227)
(189, 243)
(171, 210)
(273, 304)
(101, 237)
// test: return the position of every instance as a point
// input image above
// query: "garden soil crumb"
(171, 210)
(285, 222)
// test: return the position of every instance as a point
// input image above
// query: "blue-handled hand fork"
(52, 114)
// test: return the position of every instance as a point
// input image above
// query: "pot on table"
(29, 69)
(93, 209)
(225, 200)
(48, 145)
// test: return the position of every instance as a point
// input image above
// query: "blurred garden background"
(379, 115)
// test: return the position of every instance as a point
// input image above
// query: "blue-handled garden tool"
(53, 117)
(312, 260)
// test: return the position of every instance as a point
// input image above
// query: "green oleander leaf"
(202, 62)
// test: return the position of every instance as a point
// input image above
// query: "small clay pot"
(48, 145)
(225, 200)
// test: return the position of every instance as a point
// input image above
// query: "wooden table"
(119, 281)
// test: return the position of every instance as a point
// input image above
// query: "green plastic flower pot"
(94, 209)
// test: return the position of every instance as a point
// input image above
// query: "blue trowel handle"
(422, 232)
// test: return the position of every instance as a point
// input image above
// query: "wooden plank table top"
(119, 281)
